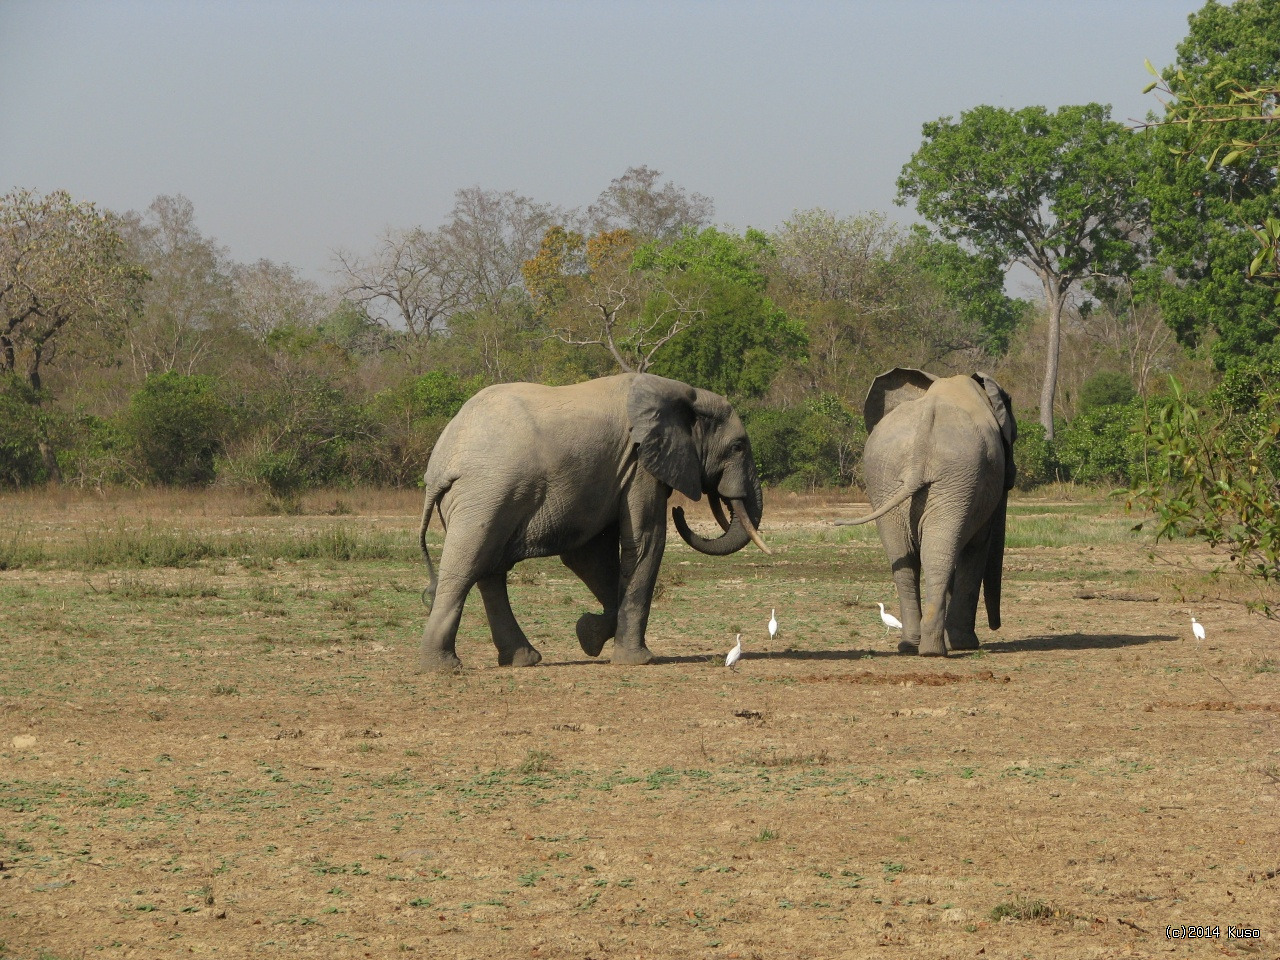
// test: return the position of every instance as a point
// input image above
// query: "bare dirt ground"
(235, 758)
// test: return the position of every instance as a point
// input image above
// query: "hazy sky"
(297, 128)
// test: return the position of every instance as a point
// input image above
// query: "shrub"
(174, 422)
(1100, 446)
(1213, 473)
(21, 463)
(1106, 388)
(1034, 457)
(805, 447)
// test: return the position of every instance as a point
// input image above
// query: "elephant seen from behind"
(939, 466)
(583, 472)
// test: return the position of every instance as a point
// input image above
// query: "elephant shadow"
(747, 655)
(1075, 641)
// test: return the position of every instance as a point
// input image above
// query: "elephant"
(939, 467)
(583, 472)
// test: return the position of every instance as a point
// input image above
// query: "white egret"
(773, 623)
(889, 620)
(731, 660)
(1197, 628)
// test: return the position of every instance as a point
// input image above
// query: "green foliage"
(1211, 178)
(406, 421)
(804, 447)
(736, 346)
(1214, 473)
(1034, 457)
(97, 452)
(174, 422)
(21, 464)
(737, 338)
(974, 286)
(1052, 190)
(1100, 446)
(1106, 388)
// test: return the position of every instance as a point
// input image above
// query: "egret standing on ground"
(1197, 628)
(889, 620)
(773, 623)
(731, 660)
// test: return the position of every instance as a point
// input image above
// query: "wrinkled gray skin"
(939, 467)
(582, 472)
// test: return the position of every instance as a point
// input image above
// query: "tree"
(189, 304)
(973, 286)
(634, 202)
(1052, 191)
(737, 339)
(1213, 182)
(591, 293)
(64, 269)
(488, 237)
(406, 284)
(271, 296)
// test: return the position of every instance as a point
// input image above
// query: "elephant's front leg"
(643, 538)
(597, 565)
(514, 648)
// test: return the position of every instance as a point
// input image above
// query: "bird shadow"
(1075, 641)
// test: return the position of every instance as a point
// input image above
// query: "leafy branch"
(1214, 474)
(1252, 110)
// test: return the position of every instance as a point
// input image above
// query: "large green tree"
(1052, 191)
(1213, 183)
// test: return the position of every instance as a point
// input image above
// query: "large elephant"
(583, 472)
(939, 467)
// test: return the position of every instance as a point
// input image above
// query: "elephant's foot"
(593, 630)
(937, 649)
(907, 648)
(631, 655)
(438, 661)
(526, 656)
(962, 640)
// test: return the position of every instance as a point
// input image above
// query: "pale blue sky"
(297, 128)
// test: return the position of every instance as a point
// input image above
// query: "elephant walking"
(939, 467)
(582, 472)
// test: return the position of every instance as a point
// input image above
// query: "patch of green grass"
(1022, 908)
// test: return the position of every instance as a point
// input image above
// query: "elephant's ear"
(1002, 407)
(662, 415)
(892, 388)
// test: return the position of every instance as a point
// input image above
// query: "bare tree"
(271, 296)
(487, 238)
(189, 307)
(1136, 333)
(636, 203)
(406, 284)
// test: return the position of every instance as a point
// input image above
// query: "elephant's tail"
(905, 492)
(433, 495)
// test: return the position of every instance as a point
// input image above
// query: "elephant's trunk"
(740, 531)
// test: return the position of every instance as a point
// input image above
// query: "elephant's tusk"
(717, 511)
(745, 520)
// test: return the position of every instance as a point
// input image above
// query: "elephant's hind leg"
(597, 565)
(437, 651)
(514, 648)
